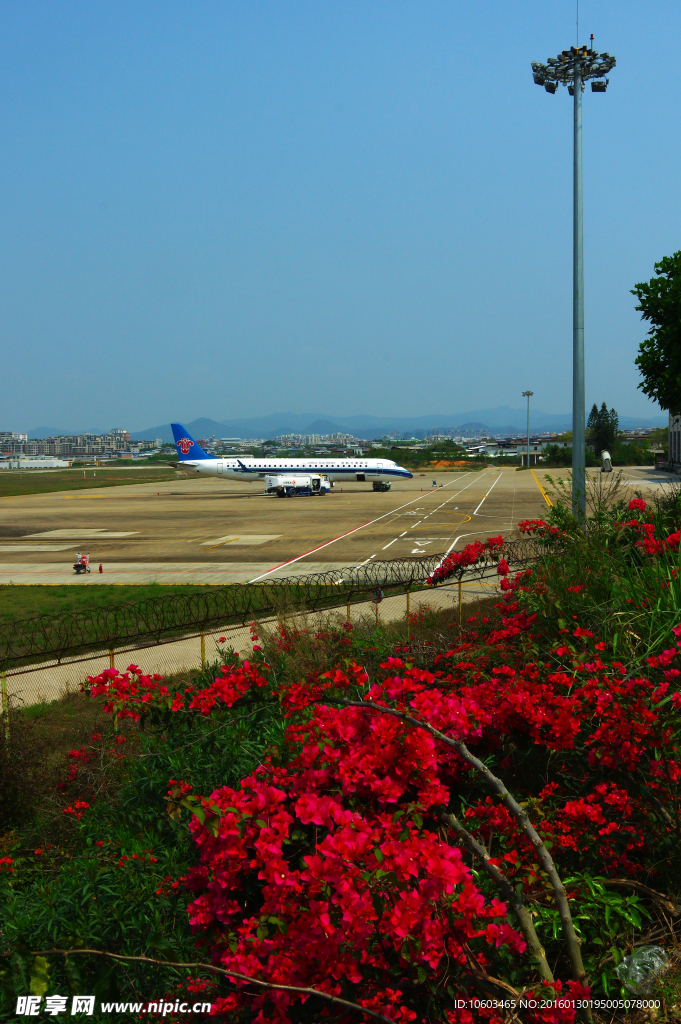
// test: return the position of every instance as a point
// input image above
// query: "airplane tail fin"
(188, 450)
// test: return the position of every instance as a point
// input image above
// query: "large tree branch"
(534, 946)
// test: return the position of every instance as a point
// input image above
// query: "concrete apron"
(36, 685)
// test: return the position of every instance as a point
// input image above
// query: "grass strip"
(34, 481)
(19, 602)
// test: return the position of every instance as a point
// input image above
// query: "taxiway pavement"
(195, 530)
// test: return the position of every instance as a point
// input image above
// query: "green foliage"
(604, 919)
(602, 427)
(631, 454)
(555, 455)
(659, 358)
(658, 438)
(629, 599)
(446, 450)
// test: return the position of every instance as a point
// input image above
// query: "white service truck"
(289, 486)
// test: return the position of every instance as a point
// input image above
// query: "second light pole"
(528, 396)
(573, 68)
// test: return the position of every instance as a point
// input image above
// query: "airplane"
(248, 467)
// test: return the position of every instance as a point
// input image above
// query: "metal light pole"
(578, 401)
(573, 68)
(528, 395)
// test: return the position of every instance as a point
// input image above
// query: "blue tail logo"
(184, 443)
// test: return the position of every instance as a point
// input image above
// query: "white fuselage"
(250, 467)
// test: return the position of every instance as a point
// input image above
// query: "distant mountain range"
(501, 420)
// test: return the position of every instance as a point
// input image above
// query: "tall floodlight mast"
(573, 68)
(528, 396)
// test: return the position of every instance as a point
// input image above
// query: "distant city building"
(11, 442)
(113, 443)
(300, 440)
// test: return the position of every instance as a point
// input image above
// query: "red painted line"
(312, 550)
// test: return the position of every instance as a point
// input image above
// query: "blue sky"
(228, 208)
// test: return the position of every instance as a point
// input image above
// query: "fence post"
(111, 659)
(408, 596)
(348, 611)
(460, 607)
(203, 650)
(5, 704)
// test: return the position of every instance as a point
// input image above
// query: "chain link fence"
(45, 660)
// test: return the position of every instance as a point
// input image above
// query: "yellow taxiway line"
(543, 492)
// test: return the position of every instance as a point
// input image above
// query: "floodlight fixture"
(577, 60)
(572, 68)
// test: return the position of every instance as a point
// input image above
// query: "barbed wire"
(159, 619)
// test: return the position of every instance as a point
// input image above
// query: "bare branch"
(670, 905)
(217, 970)
(534, 946)
(203, 736)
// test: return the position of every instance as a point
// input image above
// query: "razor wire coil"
(158, 619)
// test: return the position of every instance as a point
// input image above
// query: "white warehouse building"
(28, 463)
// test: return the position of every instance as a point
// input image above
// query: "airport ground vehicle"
(381, 485)
(288, 486)
(606, 462)
(82, 563)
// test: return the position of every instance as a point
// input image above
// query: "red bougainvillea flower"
(468, 556)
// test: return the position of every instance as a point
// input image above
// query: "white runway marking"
(244, 538)
(488, 493)
(88, 534)
(37, 547)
